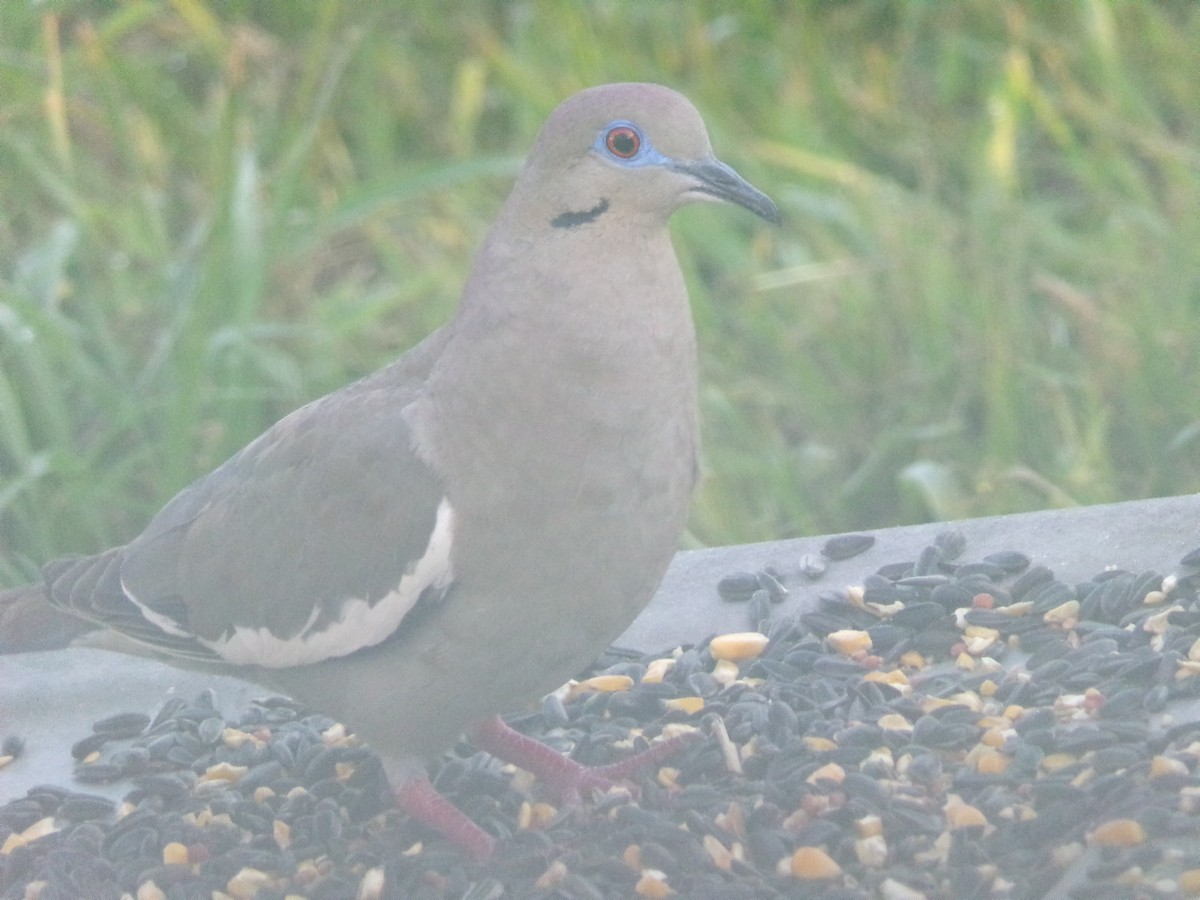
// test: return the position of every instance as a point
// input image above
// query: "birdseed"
(944, 729)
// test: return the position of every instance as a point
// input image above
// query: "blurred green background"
(984, 298)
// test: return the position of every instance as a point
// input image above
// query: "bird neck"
(609, 345)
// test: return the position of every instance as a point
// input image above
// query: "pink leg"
(566, 777)
(420, 799)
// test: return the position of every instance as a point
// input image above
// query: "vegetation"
(984, 298)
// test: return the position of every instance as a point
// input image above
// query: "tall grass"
(984, 299)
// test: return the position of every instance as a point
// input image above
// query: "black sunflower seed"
(928, 561)
(812, 567)
(81, 807)
(1011, 561)
(771, 581)
(738, 586)
(85, 747)
(844, 546)
(951, 543)
(122, 725)
(917, 616)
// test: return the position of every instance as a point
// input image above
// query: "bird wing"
(315, 540)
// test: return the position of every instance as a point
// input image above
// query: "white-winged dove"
(468, 527)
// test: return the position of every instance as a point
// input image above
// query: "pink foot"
(568, 779)
(420, 799)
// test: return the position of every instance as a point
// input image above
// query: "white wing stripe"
(359, 623)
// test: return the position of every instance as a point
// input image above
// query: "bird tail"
(28, 622)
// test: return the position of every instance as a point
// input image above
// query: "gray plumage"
(550, 428)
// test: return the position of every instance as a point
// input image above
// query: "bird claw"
(566, 778)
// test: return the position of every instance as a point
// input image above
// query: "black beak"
(719, 181)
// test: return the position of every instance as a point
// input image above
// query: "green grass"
(984, 299)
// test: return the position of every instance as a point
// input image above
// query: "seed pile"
(944, 729)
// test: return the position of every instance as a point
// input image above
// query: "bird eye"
(623, 142)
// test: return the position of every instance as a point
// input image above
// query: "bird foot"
(420, 799)
(568, 779)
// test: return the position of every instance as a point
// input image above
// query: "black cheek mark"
(575, 219)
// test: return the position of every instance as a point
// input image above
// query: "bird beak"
(717, 180)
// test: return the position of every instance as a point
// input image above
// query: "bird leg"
(565, 777)
(420, 799)
(568, 779)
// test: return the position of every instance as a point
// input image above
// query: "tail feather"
(28, 622)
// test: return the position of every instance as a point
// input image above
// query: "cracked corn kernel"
(1189, 883)
(871, 851)
(667, 776)
(994, 737)
(992, 763)
(535, 815)
(653, 884)
(739, 646)
(895, 722)
(1186, 668)
(606, 683)
(962, 815)
(1063, 614)
(890, 889)
(174, 853)
(720, 854)
(247, 883)
(869, 826)
(689, 705)
(372, 884)
(334, 733)
(725, 672)
(223, 772)
(733, 819)
(1158, 623)
(828, 772)
(895, 677)
(555, 874)
(235, 737)
(19, 839)
(657, 670)
(848, 641)
(1166, 765)
(813, 864)
(1118, 833)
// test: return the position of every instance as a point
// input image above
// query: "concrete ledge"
(1076, 543)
